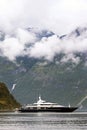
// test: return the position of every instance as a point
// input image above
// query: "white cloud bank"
(24, 43)
(59, 16)
(14, 46)
(53, 45)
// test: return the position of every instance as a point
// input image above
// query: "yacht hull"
(48, 109)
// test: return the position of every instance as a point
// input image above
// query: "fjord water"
(43, 121)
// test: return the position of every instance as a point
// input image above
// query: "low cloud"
(10, 48)
(48, 48)
(70, 57)
(15, 45)
(23, 42)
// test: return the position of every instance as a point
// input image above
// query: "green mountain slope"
(64, 83)
(7, 101)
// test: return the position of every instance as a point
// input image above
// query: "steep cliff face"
(7, 101)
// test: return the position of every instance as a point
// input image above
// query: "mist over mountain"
(42, 62)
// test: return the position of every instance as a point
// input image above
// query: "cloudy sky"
(59, 16)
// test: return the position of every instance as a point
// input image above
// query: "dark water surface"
(43, 121)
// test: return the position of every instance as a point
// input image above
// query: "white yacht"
(43, 106)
